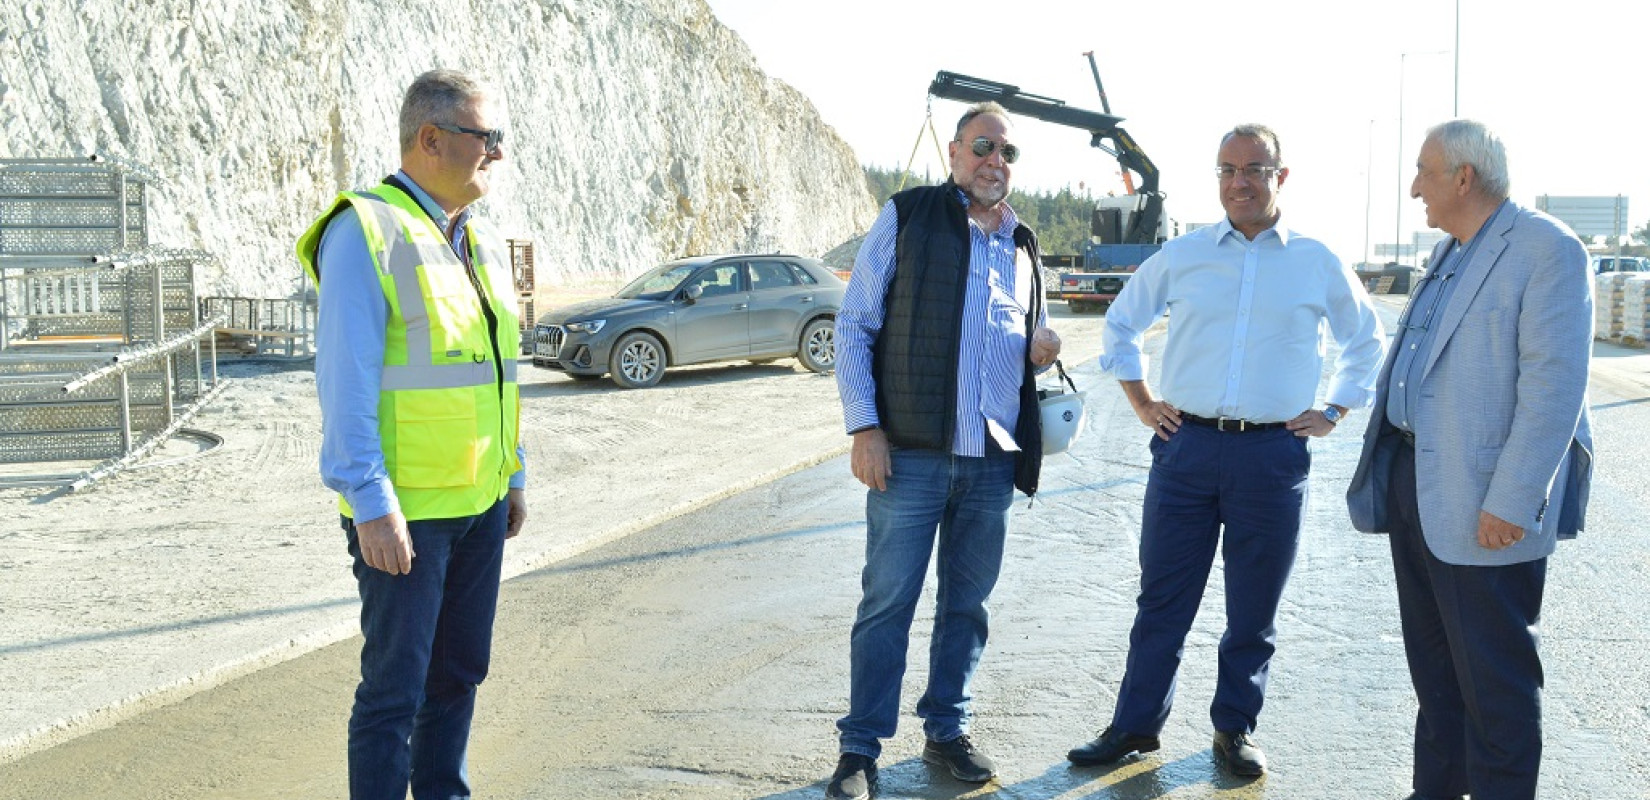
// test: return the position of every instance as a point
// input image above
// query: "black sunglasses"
(490, 138)
(982, 147)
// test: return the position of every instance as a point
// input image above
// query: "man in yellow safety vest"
(417, 342)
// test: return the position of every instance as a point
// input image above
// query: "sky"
(1561, 83)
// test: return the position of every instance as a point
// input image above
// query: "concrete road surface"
(707, 657)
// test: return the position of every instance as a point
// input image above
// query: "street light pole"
(1398, 214)
(1369, 181)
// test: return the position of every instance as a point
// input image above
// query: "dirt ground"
(704, 658)
(163, 582)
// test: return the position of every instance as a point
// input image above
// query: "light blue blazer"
(1501, 424)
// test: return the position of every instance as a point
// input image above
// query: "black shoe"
(961, 757)
(1240, 754)
(855, 778)
(1112, 745)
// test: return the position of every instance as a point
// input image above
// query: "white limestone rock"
(638, 130)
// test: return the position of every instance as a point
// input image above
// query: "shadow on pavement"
(1131, 779)
(579, 565)
(180, 625)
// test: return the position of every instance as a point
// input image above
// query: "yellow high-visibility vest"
(449, 410)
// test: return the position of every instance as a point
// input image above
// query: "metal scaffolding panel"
(95, 406)
(72, 206)
(92, 302)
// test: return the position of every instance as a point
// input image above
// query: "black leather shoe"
(855, 778)
(961, 757)
(1238, 751)
(1112, 745)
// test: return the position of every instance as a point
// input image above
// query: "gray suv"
(706, 308)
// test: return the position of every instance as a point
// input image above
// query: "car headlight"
(589, 326)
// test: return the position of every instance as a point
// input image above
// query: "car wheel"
(638, 361)
(817, 350)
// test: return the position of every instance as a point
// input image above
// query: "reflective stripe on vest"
(443, 376)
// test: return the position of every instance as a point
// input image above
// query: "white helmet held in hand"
(1063, 416)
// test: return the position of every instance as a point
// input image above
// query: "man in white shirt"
(1250, 300)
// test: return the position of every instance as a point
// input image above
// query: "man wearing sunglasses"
(415, 364)
(1240, 373)
(938, 341)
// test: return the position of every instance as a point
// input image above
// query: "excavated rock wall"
(638, 130)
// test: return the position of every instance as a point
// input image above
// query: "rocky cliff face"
(637, 129)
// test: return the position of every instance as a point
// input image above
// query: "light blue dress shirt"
(992, 354)
(350, 331)
(1247, 324)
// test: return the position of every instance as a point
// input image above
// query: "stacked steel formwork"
(101, 346)
(521, 267)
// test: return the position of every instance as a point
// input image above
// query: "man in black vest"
(938, 341)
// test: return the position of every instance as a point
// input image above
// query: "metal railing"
(115, 407)
(261, 326)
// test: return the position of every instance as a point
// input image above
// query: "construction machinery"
(1126, 230)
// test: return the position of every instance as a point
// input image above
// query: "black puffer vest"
(914, 359)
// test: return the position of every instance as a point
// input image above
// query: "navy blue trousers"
(1470, 638)
(1243, 492)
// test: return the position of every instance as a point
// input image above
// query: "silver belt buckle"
(1220, 424)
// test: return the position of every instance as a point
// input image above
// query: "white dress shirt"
(1247, 325)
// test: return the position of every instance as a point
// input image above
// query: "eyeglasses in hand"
(1437, 295)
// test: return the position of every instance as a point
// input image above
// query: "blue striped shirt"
(350, 330)
(991, 357)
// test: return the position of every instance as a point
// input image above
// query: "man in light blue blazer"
(1477, 461)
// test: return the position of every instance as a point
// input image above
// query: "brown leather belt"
(1231, 424)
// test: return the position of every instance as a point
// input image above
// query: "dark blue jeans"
(428, 635)
(965, 501)
(1252, 485)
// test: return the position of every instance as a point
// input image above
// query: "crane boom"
(1104, 133)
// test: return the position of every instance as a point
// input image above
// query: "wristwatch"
(1332, 414)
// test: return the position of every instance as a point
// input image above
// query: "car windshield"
(656, 283)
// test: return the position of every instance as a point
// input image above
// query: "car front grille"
(549, 339)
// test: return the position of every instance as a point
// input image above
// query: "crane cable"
(927, 126)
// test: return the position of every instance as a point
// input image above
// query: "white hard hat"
(1063, 420)
(1062, 411)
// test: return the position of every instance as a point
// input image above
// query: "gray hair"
(1254, 130)
(435, 97)
(987, 107)
(1467, 142)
